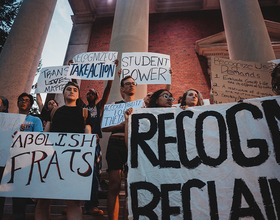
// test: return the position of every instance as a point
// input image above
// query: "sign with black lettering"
(114, 113)
(52, 79)
(233, 80)
(49, 165)
(206, 162)
(146, 68)
(9, 123)
(93, 66)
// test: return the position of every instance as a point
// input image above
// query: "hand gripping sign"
(49, 165)
(206, 162)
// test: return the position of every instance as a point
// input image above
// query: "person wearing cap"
(68, 118)
(96, 113)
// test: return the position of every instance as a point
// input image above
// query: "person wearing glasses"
(161, 99)
(31, 123)
(116, 155)
(191, 98)
(147, 98)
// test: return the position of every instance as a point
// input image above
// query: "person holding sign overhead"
(191, 98)
(117, 151)
(96, 113)
(68, 118)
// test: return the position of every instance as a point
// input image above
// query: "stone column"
(130, 34)
(20, 56)
(78, 42)
(246, 33)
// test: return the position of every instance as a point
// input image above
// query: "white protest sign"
(114, 113)
(146, 68)
(52, 79)
(207, 162)
(233, 80)
(93, 66)
(50, 165)
(9, 123)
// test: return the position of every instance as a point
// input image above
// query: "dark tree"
(8, 12)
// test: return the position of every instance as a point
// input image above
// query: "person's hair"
(199, 97)
(28, 95)
(47, 102)
(5, 102)
(125, 78)
(70, 83)
(154, 98)
(273, 75)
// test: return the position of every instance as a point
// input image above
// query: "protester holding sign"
(117, 151)
(4, 106)
(191, 98)
(275, 81)
(68, 118)
(160, 99)
(96, 112)
(31, 123)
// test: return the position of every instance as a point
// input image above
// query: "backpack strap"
(85, 115)
(52, 112)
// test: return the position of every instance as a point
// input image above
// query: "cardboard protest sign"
(49, 165)
(146, 68)
(52, 79)
(234, 80)
(9, 123)
(207, 162)
(114, 113)
(93, 66)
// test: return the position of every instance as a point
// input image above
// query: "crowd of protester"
(73, 119)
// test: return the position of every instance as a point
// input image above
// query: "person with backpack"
(72, 119)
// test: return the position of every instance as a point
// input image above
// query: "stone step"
(57, 206)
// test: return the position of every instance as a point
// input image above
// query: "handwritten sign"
(93, 66)
(50, 165)
(114, 113)
(233, 80)
(207, 162)
(9, 123)
(52, 79)
(146, 68)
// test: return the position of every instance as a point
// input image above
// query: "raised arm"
(105, 96)
(168, 86)
(39, 102)
(127, 113)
